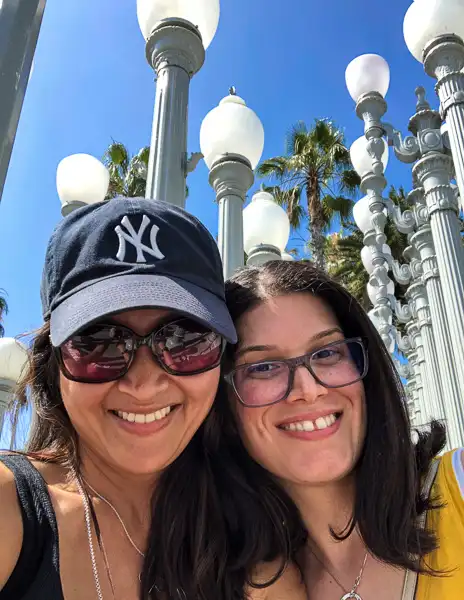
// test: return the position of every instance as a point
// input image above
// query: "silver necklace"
(134, 545)
(88, 524)
(348, 595)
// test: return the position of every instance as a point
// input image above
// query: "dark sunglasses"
(105, 352)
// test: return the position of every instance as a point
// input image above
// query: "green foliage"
(128, 175)
(314, 180)
(344, 253)
(3, 311)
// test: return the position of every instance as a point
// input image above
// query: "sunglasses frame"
(140, 340)
(294, 363)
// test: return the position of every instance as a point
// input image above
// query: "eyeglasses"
(335, 365)
(105, 352)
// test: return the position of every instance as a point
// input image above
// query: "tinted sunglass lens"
(186, 347)
(96, 355)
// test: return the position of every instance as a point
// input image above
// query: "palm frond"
(274, 167)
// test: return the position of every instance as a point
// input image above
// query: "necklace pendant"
(351, 596)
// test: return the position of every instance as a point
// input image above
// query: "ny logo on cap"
(135, 238)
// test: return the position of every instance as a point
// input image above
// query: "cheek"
(79, 398)
(252, 429)
(199, 392)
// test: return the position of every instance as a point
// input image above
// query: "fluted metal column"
(444, 61)
(431, 371)
(175, 51)
(231, 177)
(7, 388)
(451, 392)
(20, 22)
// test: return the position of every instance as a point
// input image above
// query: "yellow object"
(448, 524)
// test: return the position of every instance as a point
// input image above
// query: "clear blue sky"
(91, 83)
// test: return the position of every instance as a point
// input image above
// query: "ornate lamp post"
(232, 141)
(81, 179)
(177, 35)
(20, 24)
(266, 230)
(13, 358)
(433, 228)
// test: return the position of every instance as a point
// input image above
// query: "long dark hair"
(388, 475)
(215, 513)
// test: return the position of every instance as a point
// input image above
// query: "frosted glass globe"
(232, 128)
(367, 73)
(428, 19)
(366, 257)
(363, 215)
(372, 291)
(82, 178)
(265, 222)
(13, 359)
(204, 14)
(362, 161)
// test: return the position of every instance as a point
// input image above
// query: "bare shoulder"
(290, 586)
(11, 525)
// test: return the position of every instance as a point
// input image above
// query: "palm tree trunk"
(316, 221)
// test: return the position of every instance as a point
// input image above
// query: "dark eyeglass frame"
(294, 364)
(137, 342)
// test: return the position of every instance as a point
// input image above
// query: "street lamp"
(434, 32)
(266, 229)
(81, 179)
(177, 33)
(232, 142)
(434, 314)
(20, 24)
(13, 358)
(362, 160)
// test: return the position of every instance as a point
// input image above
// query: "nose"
(145, 378)
(306, 387)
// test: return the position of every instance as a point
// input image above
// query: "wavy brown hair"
(390, 471)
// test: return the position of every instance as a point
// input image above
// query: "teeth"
(144, 418)
(320, 423)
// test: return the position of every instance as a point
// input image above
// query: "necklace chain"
(134, 545)
(88, 524)
(353, 592)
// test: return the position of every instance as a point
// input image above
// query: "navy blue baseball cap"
(132, 253)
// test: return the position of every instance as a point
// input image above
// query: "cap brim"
(128, 292)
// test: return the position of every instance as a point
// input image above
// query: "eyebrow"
(260, 348)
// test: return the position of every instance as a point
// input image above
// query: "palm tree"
(312, 178)
(3, 312)
(128, 175)
(344, 253)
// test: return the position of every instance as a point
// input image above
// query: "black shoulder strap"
(38, 562)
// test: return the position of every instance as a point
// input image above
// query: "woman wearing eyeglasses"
(115, 498)
(316, 402)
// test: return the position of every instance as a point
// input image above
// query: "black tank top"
(37, 572)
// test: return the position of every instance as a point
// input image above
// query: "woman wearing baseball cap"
(115, 497)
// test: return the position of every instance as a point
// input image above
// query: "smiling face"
(316, 434)
(142, 422)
